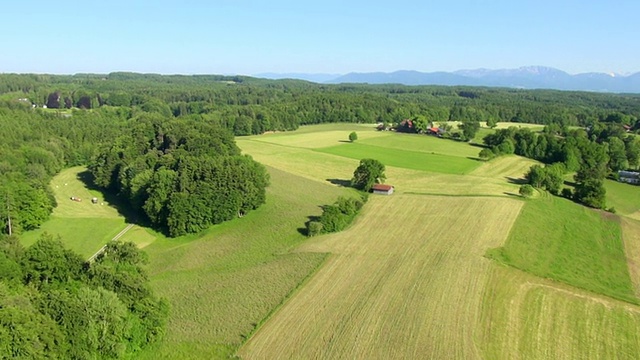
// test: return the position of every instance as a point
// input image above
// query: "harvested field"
(505, 168)
(224, 282)
(411, 289)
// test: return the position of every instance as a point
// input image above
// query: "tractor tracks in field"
(115, 238)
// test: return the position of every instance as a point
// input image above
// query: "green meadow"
(558, 239)
(625, 198)
(408, 159)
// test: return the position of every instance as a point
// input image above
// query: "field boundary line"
(115, 238)
(559, 286)
(286, 299)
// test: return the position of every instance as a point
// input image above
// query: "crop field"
(505, 168)
(421, 143)
(319, 136)
(84, 227)
(631, 238)
(411, 289)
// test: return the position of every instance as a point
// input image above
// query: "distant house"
(629, 177)
(627, 128)
(382, 189)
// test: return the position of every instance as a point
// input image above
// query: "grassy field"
(506, 168)
(83, 226)
(223, 283)
(625, 198)
(486, 178)
(421, 143)
(556, 238)
(527, 317)
(396, 292)
(407, 159)
(319, 136)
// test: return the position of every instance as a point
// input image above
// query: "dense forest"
(165, 145)
(55, 305)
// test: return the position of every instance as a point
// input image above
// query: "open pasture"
(68, 184)
(533, 127)
(556, 238)
(422, 143)
(410, 289)
(631, 239)
(408, 159)
(488, 178)
(84, 227)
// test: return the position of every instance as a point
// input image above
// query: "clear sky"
(250, 37)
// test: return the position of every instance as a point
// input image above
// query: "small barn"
(382, 189)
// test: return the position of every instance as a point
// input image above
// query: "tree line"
(247, 105)
(593, 153)
(55, 305)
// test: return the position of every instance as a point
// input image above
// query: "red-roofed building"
(382, 189)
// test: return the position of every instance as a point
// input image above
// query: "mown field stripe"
(406, 291)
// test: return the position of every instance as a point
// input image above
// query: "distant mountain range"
(529, 77)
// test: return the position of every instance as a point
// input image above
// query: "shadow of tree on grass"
(123, 208)
(340, 182)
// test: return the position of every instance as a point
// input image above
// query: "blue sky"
(250, 37)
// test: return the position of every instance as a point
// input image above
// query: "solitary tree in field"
(353, 136)
(368, 173)
(526, 190)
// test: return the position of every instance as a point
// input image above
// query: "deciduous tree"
(368, 173)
